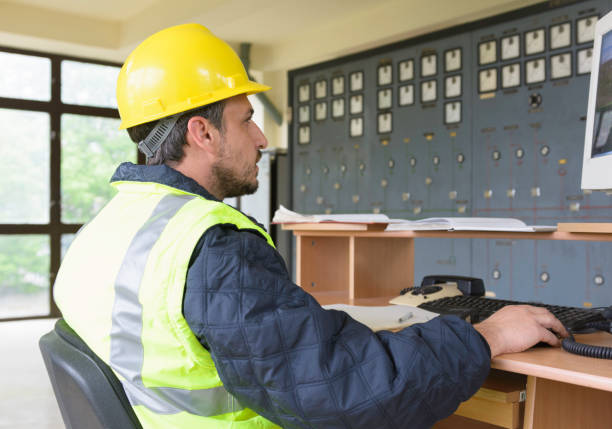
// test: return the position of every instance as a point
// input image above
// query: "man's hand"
(517, 327)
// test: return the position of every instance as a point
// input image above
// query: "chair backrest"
(88, 393)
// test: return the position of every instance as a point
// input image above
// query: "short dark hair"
(171, 149)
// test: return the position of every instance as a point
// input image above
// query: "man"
(190, 304)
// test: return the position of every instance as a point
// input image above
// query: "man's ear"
(202, 134)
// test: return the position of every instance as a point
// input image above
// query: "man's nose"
(260, 139)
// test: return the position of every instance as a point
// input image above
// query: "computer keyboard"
(475, 309)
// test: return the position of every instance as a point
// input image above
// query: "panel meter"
(304, 93)
(535, 71)
(452, 86)
(338, 85)
(304, 114)
(511, 75)
(321, 89)
(561, 66)
(429, 66)
(356, 104)
(356, 127)
(385, 74)
(356, 81)
(487, 80)
(584, 60)
(320, 111)
(535, 42)
(452, 60)
(585, 29)
(428, 91)
(560, 35)
(406, 95)
(384, 122)
(385, 99)
(304, 134)
(487, 52)
(510, 47)
(338, 108)
(452, 112)
(406, 70)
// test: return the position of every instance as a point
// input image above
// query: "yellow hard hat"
(178, 69)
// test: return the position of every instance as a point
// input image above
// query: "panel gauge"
(356, 104)
(452, 60)
(560, 35)
(535, 71)
(584, 60)
(304, 114)
(406, 70)
(452, 86)
(385, 122)
(406, 95)
(561, 66)
(429, 91)
(452, 112)
(356, 127)
(487, 80)
(385, 74)
(338, 108)
(321, 89)
(304, 93)
(429, 65)
(320, 111)
(487, 52)
(304, 134)
(385, 98)
(535, 42)
(338, 85)
(585, 29)
(356, 81)
(510, 47)
(511, 75)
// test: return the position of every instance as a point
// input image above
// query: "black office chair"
(88, 393)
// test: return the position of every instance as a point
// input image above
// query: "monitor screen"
(597, 161)
(602, 123)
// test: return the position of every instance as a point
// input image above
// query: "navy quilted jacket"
(279, 353)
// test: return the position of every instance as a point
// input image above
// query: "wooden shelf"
(592, 228)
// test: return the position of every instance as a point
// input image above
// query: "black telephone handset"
(467, 285)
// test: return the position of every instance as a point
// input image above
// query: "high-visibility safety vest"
(121, 287)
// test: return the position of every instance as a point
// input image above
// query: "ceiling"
(284, 33)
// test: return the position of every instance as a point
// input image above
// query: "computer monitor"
(597, 161)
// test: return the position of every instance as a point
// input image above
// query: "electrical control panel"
(486, 119)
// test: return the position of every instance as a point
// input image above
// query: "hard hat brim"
(248, 88)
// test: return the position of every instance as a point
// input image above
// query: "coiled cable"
(570, 344)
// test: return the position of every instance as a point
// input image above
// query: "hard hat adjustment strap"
(158, 134)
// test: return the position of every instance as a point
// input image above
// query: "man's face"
(235, 169)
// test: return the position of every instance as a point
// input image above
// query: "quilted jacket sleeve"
(279, 353)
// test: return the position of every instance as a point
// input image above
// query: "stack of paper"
(468, 224)
(388, 317)
(284, 215)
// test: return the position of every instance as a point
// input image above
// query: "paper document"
(284, 215)
(386, 317)
(467, 224)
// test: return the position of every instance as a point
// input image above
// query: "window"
(59, 144)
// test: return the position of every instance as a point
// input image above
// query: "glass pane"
(25, 76)
(65, 243)
(87, 84)
(24, 174)
(24, 275)
(92, 148)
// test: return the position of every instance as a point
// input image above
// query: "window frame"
(54, 229)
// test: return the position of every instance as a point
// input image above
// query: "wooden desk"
(356, 265)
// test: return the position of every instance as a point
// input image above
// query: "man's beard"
(230, 184)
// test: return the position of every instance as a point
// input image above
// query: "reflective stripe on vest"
(126, 348)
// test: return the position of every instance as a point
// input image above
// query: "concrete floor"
(26, 396)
